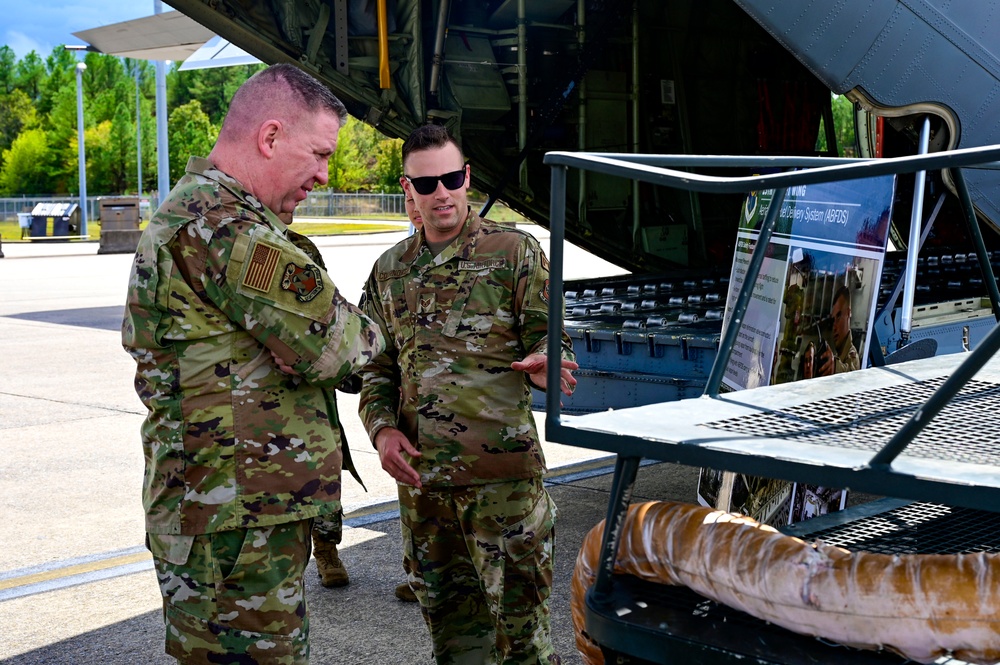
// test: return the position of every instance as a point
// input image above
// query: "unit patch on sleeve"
(306, 283)
(261, 267)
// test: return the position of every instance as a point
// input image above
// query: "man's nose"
(323, 174)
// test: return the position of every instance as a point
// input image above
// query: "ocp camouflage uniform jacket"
(453, 325)
(230, 441)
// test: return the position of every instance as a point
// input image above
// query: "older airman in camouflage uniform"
(464, 308)
(240, 337)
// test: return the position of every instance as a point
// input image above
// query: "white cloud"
(22, 44)
(41, 26)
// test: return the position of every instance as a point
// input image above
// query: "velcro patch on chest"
(485, 264)
(262, 266)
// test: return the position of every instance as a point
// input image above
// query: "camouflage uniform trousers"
(238, 597)
(479, 559)
(329, 528)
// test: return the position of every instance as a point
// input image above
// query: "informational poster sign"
(811, 313)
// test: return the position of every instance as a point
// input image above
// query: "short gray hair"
(274, 89)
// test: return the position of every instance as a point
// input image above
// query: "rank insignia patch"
(261, 267)
(306, 283)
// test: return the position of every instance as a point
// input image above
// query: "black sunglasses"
(429, 183)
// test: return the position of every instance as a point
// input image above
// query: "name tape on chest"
(473, 266)
(393, 274)
(486, 264)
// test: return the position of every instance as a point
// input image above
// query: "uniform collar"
(461, 246)
(199, 166)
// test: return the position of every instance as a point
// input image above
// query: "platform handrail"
(654, 169)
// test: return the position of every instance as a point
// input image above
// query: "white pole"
(163, 153)
(138, 132)
(80, 67)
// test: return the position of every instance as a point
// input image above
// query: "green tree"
(30, 75)
(212, 87)
(60, 68)
(843, 128)
(365, 160)
(8, 64)
(60, 130)
(110, 153)
(348, 168)
(388, 165)
(843, 123)
(191, 133)
(40, 95)
(26, 166)
(106, 86)
(16, 114)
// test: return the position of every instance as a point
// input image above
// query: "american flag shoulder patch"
(261, 267)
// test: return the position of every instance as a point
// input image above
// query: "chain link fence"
(9, 207)
(351, 206)
(319, 204)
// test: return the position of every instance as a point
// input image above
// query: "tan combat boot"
(331, 570)
(405, 593)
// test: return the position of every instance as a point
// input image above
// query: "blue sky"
(41, 25)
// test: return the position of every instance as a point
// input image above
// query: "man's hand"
(282, 365)
(535, 367)
(391, 443)
(825, 365)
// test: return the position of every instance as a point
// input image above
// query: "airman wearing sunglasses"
(463, 304)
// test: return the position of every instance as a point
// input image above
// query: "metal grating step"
(868, 419)
(917, 528)
(824, 431)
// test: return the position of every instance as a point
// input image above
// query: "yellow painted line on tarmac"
(597, 464)
(61, 576)
(388, 509)
(77, 569)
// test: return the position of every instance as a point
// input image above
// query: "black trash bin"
(54, 221)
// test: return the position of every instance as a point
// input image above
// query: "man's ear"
(267, 137)
(405, 184)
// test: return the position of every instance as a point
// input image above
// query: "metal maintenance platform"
(925, 430)
(826, 431)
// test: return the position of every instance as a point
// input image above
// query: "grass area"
(312, 228)
(11, 232)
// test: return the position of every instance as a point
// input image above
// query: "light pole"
(138, 130)
(162, 149)
(80, 67)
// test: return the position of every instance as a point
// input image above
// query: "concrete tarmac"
(76, 583)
